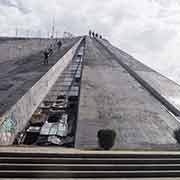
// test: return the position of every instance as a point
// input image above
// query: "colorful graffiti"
(7, 128)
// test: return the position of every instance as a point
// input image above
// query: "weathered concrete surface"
(17, 76)
(164, 86)
(12, 49)
(112, 98)
(16, 117)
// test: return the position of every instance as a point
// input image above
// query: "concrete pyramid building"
(115, 91)
(50, 114)
(121, 93)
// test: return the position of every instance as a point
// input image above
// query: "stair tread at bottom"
(166, 173)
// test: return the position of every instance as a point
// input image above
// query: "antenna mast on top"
(16, 32)
(53, 27)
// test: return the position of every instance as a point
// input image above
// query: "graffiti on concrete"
(7, 128)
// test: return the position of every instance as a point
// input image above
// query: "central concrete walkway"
(112, 98)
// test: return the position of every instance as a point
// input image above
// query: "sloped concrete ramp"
(112, 98)
(18, 103)
(164, 88)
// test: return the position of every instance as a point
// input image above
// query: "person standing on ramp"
(46, 56)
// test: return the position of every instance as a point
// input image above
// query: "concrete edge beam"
(171, 107)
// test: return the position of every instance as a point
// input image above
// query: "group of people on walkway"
(93, 34)
(49, 51)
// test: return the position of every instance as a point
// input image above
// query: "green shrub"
(177, 135)
(106, 138)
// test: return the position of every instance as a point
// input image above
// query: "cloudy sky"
(147, 29)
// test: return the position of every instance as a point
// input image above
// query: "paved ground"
(111, 98)
(14, 49)
(18, 75)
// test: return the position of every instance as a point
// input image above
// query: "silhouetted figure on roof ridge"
(93, 34)
(90, 33)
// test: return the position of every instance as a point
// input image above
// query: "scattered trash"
(63, 126)
(59, 141)
(53, 123)
(59, 104)
(31, 137)
(45, 106)
(59, 128)
(33, 129)
(54, 117)
(55, 140)
(38, 118)
(42, 140)
(45, 129)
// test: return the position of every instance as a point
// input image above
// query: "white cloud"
(147, 29)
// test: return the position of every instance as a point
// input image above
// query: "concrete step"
(87, 174)
(43, 160)
(92, 155)
(89, 167)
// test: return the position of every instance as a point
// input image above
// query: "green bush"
(177, 135)
(106, 138)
